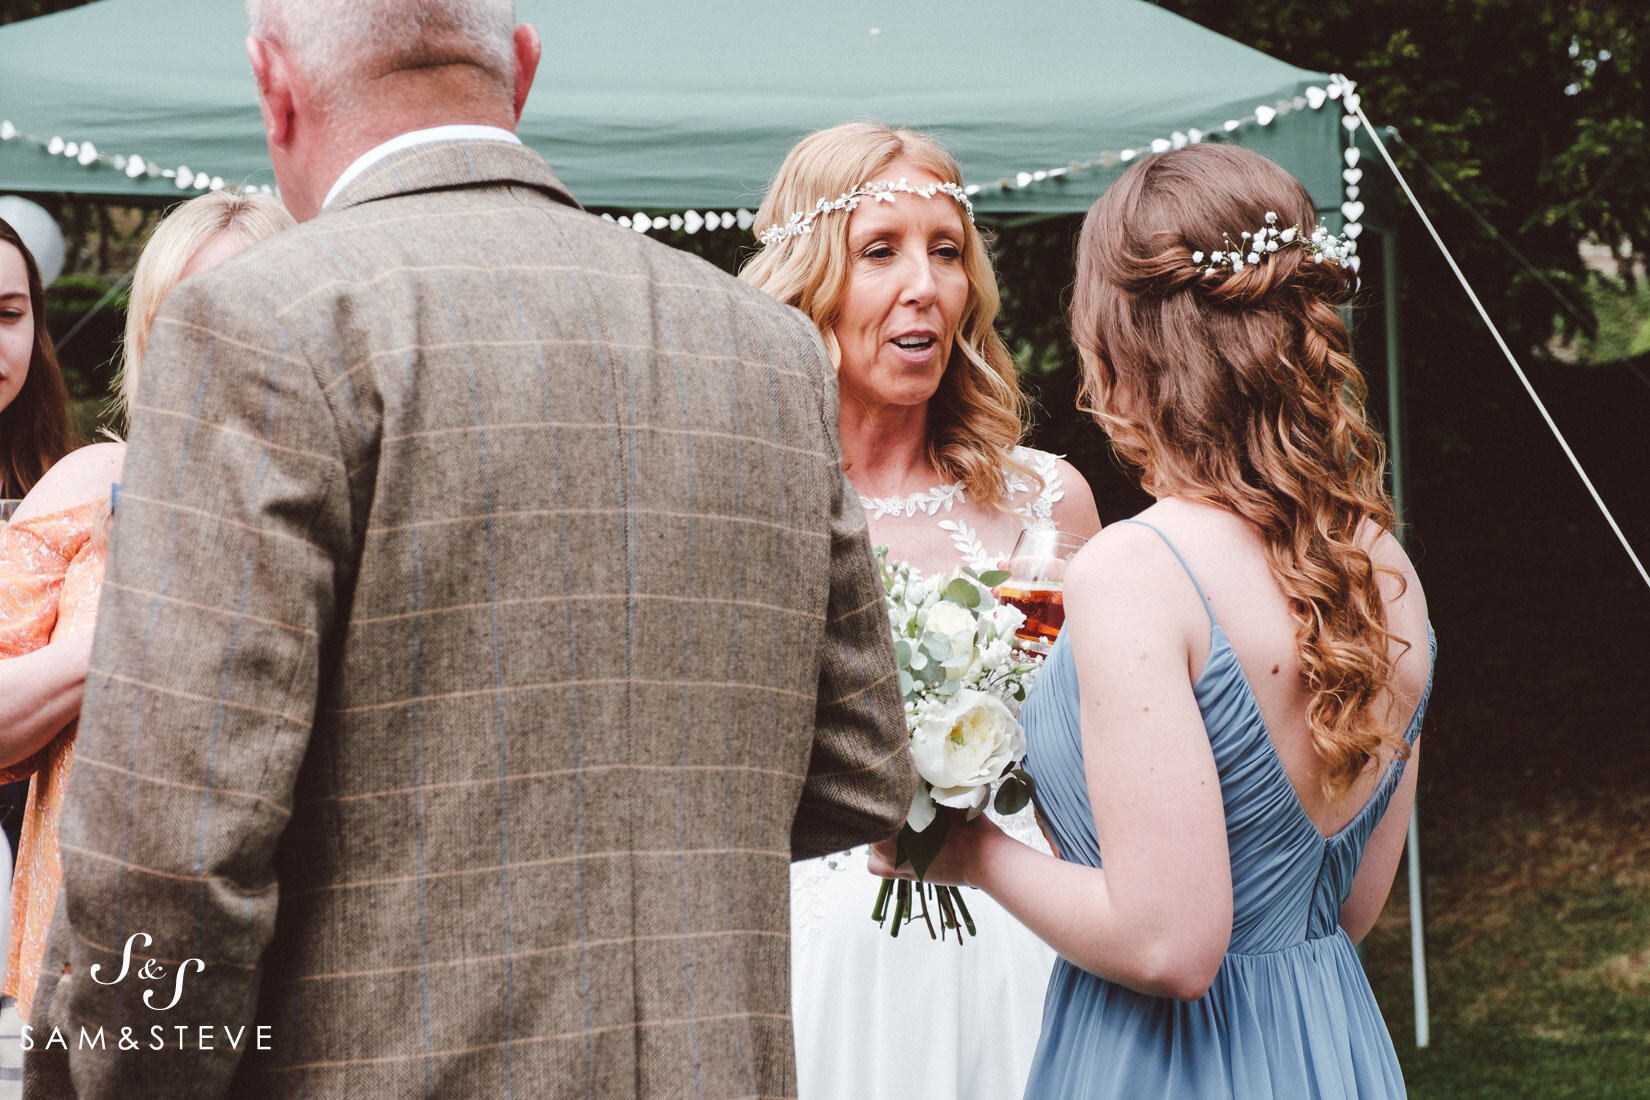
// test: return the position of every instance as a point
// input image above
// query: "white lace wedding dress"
(878, 1017)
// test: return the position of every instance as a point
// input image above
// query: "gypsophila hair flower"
(1321, 245)
(801, 223)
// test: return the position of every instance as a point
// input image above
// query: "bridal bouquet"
(963, 682)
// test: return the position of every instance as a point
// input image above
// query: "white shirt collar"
(416, 137)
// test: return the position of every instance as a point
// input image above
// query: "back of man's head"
(343, 46)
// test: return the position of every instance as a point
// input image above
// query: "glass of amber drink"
(1036, 583)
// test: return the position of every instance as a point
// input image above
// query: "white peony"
(963, 745)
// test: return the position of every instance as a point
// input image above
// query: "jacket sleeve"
(860, 778)
(230, 545)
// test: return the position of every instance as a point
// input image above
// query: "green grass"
(1538, 929)
(1623, 314)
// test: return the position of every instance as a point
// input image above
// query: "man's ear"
(270, 70)
(527, 49)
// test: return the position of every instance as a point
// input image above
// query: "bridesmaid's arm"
(1158, 918)
(39, 694)
(1379, 865)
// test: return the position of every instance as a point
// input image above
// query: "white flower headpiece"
(1254, 247)
(801, 223)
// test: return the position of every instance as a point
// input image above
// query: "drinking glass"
(1036, 583)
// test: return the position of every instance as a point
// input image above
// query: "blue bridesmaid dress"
(1290, 1015)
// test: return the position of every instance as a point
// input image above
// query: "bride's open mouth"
(916, 347)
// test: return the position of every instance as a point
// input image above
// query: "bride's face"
(907, 287)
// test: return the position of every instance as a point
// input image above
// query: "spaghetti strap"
(1175, 550)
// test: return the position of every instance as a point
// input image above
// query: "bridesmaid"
(51, 574)
(1231, 716)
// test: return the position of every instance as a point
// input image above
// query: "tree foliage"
(1533, 112)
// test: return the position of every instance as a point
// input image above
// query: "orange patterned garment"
(51, 574)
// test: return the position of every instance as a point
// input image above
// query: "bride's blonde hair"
(979, 413)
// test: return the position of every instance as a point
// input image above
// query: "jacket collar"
(452, 165)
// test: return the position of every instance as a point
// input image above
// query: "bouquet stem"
(968, 920)
(879, 911)
(925, 918)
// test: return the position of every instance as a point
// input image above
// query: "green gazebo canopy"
(652, 106)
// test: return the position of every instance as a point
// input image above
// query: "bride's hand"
(961, 859)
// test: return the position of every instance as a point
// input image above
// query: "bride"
(868, 231)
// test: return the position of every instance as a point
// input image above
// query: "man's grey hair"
(339, 44)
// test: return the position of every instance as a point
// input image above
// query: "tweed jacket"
(488, 625)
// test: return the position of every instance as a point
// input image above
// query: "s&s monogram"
(150, 971)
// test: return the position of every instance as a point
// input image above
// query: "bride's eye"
(878, 251)
(948, 251)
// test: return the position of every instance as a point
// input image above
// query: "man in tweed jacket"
(487, 627)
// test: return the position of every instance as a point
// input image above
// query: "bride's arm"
(1158, 918)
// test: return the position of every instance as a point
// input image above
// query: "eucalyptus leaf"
(1012, 797)
(950, 688)
(902, 652)
(924, 847)
(964, 592)
(906, 683)
(993, 577)
(937, 645)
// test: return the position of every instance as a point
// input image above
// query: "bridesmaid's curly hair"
(979, 413)
(1238, 389)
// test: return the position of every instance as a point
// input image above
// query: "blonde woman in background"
(903, 292)
(51, 573)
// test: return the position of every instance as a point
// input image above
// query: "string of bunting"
(1339, 88)
(88, 155)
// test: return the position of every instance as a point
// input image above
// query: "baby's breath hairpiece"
(1254, 247)
(801, 223)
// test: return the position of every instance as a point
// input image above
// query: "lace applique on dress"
(1036, 511)
(929, 501)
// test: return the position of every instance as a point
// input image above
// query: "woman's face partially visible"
(907, 288)
(17, 323)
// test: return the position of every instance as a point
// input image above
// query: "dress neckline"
(929, 501)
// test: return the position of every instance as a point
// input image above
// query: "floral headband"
(1321, 245)
(801, 223)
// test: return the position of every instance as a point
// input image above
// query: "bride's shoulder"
(1063, 498)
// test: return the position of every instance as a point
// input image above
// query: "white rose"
(1006, 619)
(956, 623)
(963, 745)
(995, 654)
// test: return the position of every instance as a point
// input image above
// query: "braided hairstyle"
(1236, 388)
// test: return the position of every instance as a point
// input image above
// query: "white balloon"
(39, 232)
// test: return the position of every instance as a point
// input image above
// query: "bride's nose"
(919, 288)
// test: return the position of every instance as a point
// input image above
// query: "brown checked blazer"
(487, 627)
